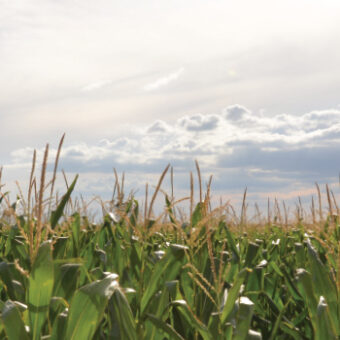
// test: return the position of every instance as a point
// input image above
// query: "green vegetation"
(134, 276)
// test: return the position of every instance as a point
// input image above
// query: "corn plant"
(134, 276)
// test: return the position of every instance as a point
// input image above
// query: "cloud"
(235, 112)
(199, 122)
(96, 85)
(164, 81)
(159, 126)
(241, 148)
(278, 142)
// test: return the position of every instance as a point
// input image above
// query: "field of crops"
(133, 276)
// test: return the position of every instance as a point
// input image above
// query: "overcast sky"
(248, 88)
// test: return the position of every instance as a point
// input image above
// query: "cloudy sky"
(248, 88)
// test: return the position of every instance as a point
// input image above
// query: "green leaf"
(243, 318)
(324, 285)
(56, 214)
(123, 315)
(325, 328)
(291, 285)
(57, 306)
(13, 323)
(88, 306)
(170, 210)
(300, 254)
(168, 329)
(66, 280)
(165, 270)
(159, 308)
(289, 329)
(75, 227)
(59, 327)
(278, 322)
(41, 281)
(251, 253)
(231, 241)
(233, 294)
(59, 247)
(192, 320)
(6, 278)
(197, 214)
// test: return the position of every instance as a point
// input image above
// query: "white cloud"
(96, 85)
(79, 67)
(279, 156)
(302, 148)
(199, 122)
(163, 81)
(89, 70)
(159, 126)
(235, 112)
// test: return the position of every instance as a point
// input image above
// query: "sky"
(249, 89)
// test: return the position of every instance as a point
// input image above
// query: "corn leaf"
(56, 214)
(13, 323)
(88, 306)
(41, 281)
(165, 327)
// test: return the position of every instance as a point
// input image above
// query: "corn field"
(134, 276)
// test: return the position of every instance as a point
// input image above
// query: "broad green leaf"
(191, 319)
(324, 285)
(88, 306)
(56, 214)
(19, 249)
(6, 278)
(59, 327)
(255, 279)
(40, 288)
(251, 253)
(66, 280)
(173, 289)
(165, 270)
(57, 306)
(300, 254)
(231, 241)
(123, 315)
(243, 318)
(233, 294)
(291, 285)
(159, 308)
(60, 246)
(13, 323)
(108, 225)
(325, 328)
(197, 215)
(186, 285)
(165, 327)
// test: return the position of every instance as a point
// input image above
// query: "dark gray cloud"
(320, 161)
